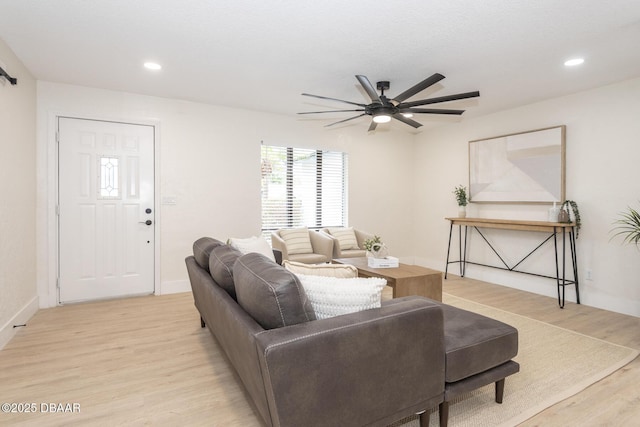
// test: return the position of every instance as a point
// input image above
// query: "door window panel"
(109, 178)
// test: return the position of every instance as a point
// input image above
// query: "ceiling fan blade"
(328, 111)
(368, 87)
(345, 120)
(403, 119)
(431, 111)
(372, 126)
(440, 99)
(334, 99)
(430, 81)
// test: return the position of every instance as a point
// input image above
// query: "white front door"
(106, 209)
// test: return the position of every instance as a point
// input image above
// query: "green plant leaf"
(628, 227)
(461, 195)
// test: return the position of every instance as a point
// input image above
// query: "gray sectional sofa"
(371, 368)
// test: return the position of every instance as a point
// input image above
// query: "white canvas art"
(526, 167)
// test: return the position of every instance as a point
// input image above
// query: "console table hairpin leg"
(554, 228)
(574, 264)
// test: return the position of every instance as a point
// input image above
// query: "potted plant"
(375, 247)
(461, 197)
(565, 214)
(629, 226)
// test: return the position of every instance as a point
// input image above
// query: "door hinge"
(57, 138)
(58, 210)
(57, 283)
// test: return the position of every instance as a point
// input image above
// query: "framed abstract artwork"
(526, 167)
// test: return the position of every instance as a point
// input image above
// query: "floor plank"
(613, 401)
(139, 361)
(146, 361)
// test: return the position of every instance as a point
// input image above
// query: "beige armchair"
(339, 251)
(303, 245)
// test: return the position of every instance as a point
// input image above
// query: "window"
(109, 178)
(302, 188)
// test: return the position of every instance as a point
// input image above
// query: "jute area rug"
(555, 364)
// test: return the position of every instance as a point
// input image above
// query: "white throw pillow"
(326, 270)
(333, 296)
(252, 244)
(297, 240)
(346, 237)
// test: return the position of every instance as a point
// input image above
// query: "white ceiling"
(262, 54)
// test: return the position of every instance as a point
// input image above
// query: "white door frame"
(48, 273)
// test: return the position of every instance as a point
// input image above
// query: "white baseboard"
(21, 317)
(428, 263)
(174, 287)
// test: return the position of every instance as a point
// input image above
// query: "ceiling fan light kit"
(382, 109)
(381, 118)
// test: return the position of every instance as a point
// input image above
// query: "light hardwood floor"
(613, 401)
(146, 361)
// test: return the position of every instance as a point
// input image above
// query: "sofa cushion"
(308, 258)
(202, 250)
(328, 270)
(334, 296)
(353, 253)
(221, 267)
(252, 244)
(475, 343)
(346, 237)
(270, 294)
(297, 240)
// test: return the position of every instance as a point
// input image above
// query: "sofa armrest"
(321, 244)
(336, 243)
(337, 250)
(367, 368)
(361, 236)
(278, 244)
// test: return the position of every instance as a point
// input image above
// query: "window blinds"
(302, 188)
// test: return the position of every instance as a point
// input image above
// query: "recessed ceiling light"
(152, 66)
(573, 62)
(407, 115)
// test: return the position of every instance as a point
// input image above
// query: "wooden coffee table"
(405, 279)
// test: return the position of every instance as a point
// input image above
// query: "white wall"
(400, 183)
(603, 148)
(18, 298)
(210, 161)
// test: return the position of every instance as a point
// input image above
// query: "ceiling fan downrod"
(382, 86)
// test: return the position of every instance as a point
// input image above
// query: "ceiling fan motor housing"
(377, 109)
(382, 86)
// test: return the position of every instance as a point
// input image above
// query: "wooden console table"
(540, 226)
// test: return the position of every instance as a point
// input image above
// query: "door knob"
(148, 222)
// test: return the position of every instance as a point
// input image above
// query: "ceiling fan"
(383, 109)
